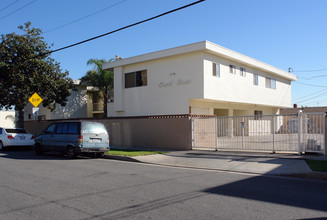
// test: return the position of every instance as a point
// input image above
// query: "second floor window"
(270, 83)
(242, 71)
(255, 79)
(216, 69)
(136, 79)
(232, 69)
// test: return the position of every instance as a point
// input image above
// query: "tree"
(26, 68)
(101, 80)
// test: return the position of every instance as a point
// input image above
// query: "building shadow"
(283, 191)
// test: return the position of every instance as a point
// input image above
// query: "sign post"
(35, 100)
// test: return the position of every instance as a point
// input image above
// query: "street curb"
(123, 158)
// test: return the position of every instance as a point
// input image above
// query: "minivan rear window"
(93, 128)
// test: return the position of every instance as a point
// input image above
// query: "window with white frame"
(270, 83)
(242, 71)
(216, 69)
(136, 79)
(232, 69)
(255, 79)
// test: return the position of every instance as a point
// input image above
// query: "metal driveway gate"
(292, 133)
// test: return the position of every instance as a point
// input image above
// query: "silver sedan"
(15, 137)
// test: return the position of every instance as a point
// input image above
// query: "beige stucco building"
(7, 119)
(79, 105)
(201, 78)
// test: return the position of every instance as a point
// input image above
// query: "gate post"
(216, 121)
(273, 127)
(299, 126)
(192, 132)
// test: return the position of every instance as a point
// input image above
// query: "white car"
(15, 137)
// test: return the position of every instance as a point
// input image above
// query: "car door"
(48, 138)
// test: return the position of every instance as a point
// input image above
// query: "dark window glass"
(129, 80)
(73, 128)
(50, 129)
(17, 131)
(65, 128)
(136, 79)
(59, 129)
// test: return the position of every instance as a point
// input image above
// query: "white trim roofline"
(203, 46)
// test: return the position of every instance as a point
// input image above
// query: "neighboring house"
(79, 105)
(295, 110)
(201, 78)
(7, 119)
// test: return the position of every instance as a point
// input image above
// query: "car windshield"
(93, 128)
(17, 131)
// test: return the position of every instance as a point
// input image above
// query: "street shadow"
(20, 153)
(290, 192)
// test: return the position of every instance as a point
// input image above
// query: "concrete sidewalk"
(244, 162)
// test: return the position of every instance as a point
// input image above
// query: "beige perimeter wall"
(171, 133)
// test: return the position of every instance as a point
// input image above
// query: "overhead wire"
(303, 71)
(82, 18)
(313, 97)
(296, 100)
(125, 27)
(9, 5)
(307, 84)
(313, 77)
(17, 10)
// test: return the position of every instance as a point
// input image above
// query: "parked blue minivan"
(73, 138)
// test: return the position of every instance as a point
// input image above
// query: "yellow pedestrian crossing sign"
(35, 100)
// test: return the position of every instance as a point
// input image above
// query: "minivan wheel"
(38, 149)
(70, 153)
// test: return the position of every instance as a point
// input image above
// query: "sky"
(283, 33)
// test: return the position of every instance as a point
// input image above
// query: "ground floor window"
(257, 115)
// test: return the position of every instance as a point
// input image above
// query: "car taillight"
(80, 139)
(10, 137)
(108, 140)
(32, 138)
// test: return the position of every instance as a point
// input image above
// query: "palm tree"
(101, 80)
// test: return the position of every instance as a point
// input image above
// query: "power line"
(303, 71)
(9, 5)
(313, 97)
(300, 98)
(307, 84)
(17, 9)
(120, 29)
(82, 18)
(313, 77)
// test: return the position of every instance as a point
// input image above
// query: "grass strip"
(317, 165)
(133, 153)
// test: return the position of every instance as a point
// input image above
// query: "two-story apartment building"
(201, 78)
(79, 105)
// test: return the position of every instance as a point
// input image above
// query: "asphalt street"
(52, 187)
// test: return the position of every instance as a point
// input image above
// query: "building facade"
(7, 119)
(201, 78)
(79, 105)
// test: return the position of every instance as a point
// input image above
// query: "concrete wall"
(152, 133)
